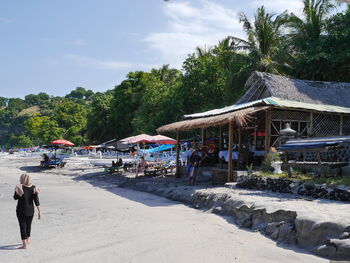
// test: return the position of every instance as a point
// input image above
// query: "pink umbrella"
(160, 139)
(62, 142)
(138, 139)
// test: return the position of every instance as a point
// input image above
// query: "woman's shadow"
(10, 247)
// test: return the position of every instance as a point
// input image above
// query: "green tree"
(337, 48)
(20, 141)
(99, 119)
(80, 93)
(203, 83)
(306, 39)
(3, 102)
(158, 103)
(72, 117)
(126, 100)
(305, 31)
(43, 129)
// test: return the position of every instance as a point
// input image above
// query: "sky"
(55, 46)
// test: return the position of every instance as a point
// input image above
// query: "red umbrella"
(160, 139)
(138, 139)
(62, 142)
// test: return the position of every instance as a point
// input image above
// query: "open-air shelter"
(313, 108)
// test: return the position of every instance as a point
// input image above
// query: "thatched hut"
(313, 108)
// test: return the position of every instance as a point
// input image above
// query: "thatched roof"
(241, 117)
(261, 85)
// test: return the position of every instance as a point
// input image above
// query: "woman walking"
(26, 194)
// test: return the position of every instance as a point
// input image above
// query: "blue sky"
(54, 46)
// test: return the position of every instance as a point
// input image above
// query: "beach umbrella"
(138, 139)
(62, 142)
(160, 139)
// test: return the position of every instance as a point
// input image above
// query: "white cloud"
(191, 26)
(5, 20)
(279, 6)
(80, 42)
(104, 64)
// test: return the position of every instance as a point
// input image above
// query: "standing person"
(26, 194)
(142, 165)
(194, 161)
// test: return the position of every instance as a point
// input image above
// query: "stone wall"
(291, 187)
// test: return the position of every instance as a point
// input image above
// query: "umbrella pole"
(177, 173)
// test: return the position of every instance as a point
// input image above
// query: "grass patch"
(335, 181)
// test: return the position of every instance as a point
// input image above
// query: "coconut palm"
(263, 40)
(202, 52)
(308, 29)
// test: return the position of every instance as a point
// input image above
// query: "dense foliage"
(315, 46)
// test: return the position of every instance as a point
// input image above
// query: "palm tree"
(263, 40)
(308, 29)
(202, 52)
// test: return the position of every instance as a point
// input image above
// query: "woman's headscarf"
(25, 180)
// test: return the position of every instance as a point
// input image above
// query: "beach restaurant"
(254, 123)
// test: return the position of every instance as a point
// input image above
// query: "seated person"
(45, 157)
(120, 162)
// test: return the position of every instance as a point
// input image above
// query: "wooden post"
(267, 131)
(239, 148)
(341, 125)
(311, 123)
(177, 173)
(230, 145)
(255, 135)
(203, 137)
(220, 138)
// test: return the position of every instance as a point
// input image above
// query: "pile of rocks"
(282, 185)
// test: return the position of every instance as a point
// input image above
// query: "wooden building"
(313, 108)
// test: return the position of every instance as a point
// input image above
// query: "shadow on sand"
(10, 247)
(112, 182)
(33, 169)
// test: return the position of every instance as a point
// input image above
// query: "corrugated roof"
(277, 102)
(223, 110)
(272, 101)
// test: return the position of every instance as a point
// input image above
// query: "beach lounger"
(50, 163)
(161, 169)
(112, 169)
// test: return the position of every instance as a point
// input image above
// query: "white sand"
(82, 223)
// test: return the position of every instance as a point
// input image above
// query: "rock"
(217, 210)
(345, 235)
(342, 248)
(310, 233)
(286, 233)
(287, 186)
(273, 227)
(325, 251)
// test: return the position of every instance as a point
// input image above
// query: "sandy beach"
(84, 222)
